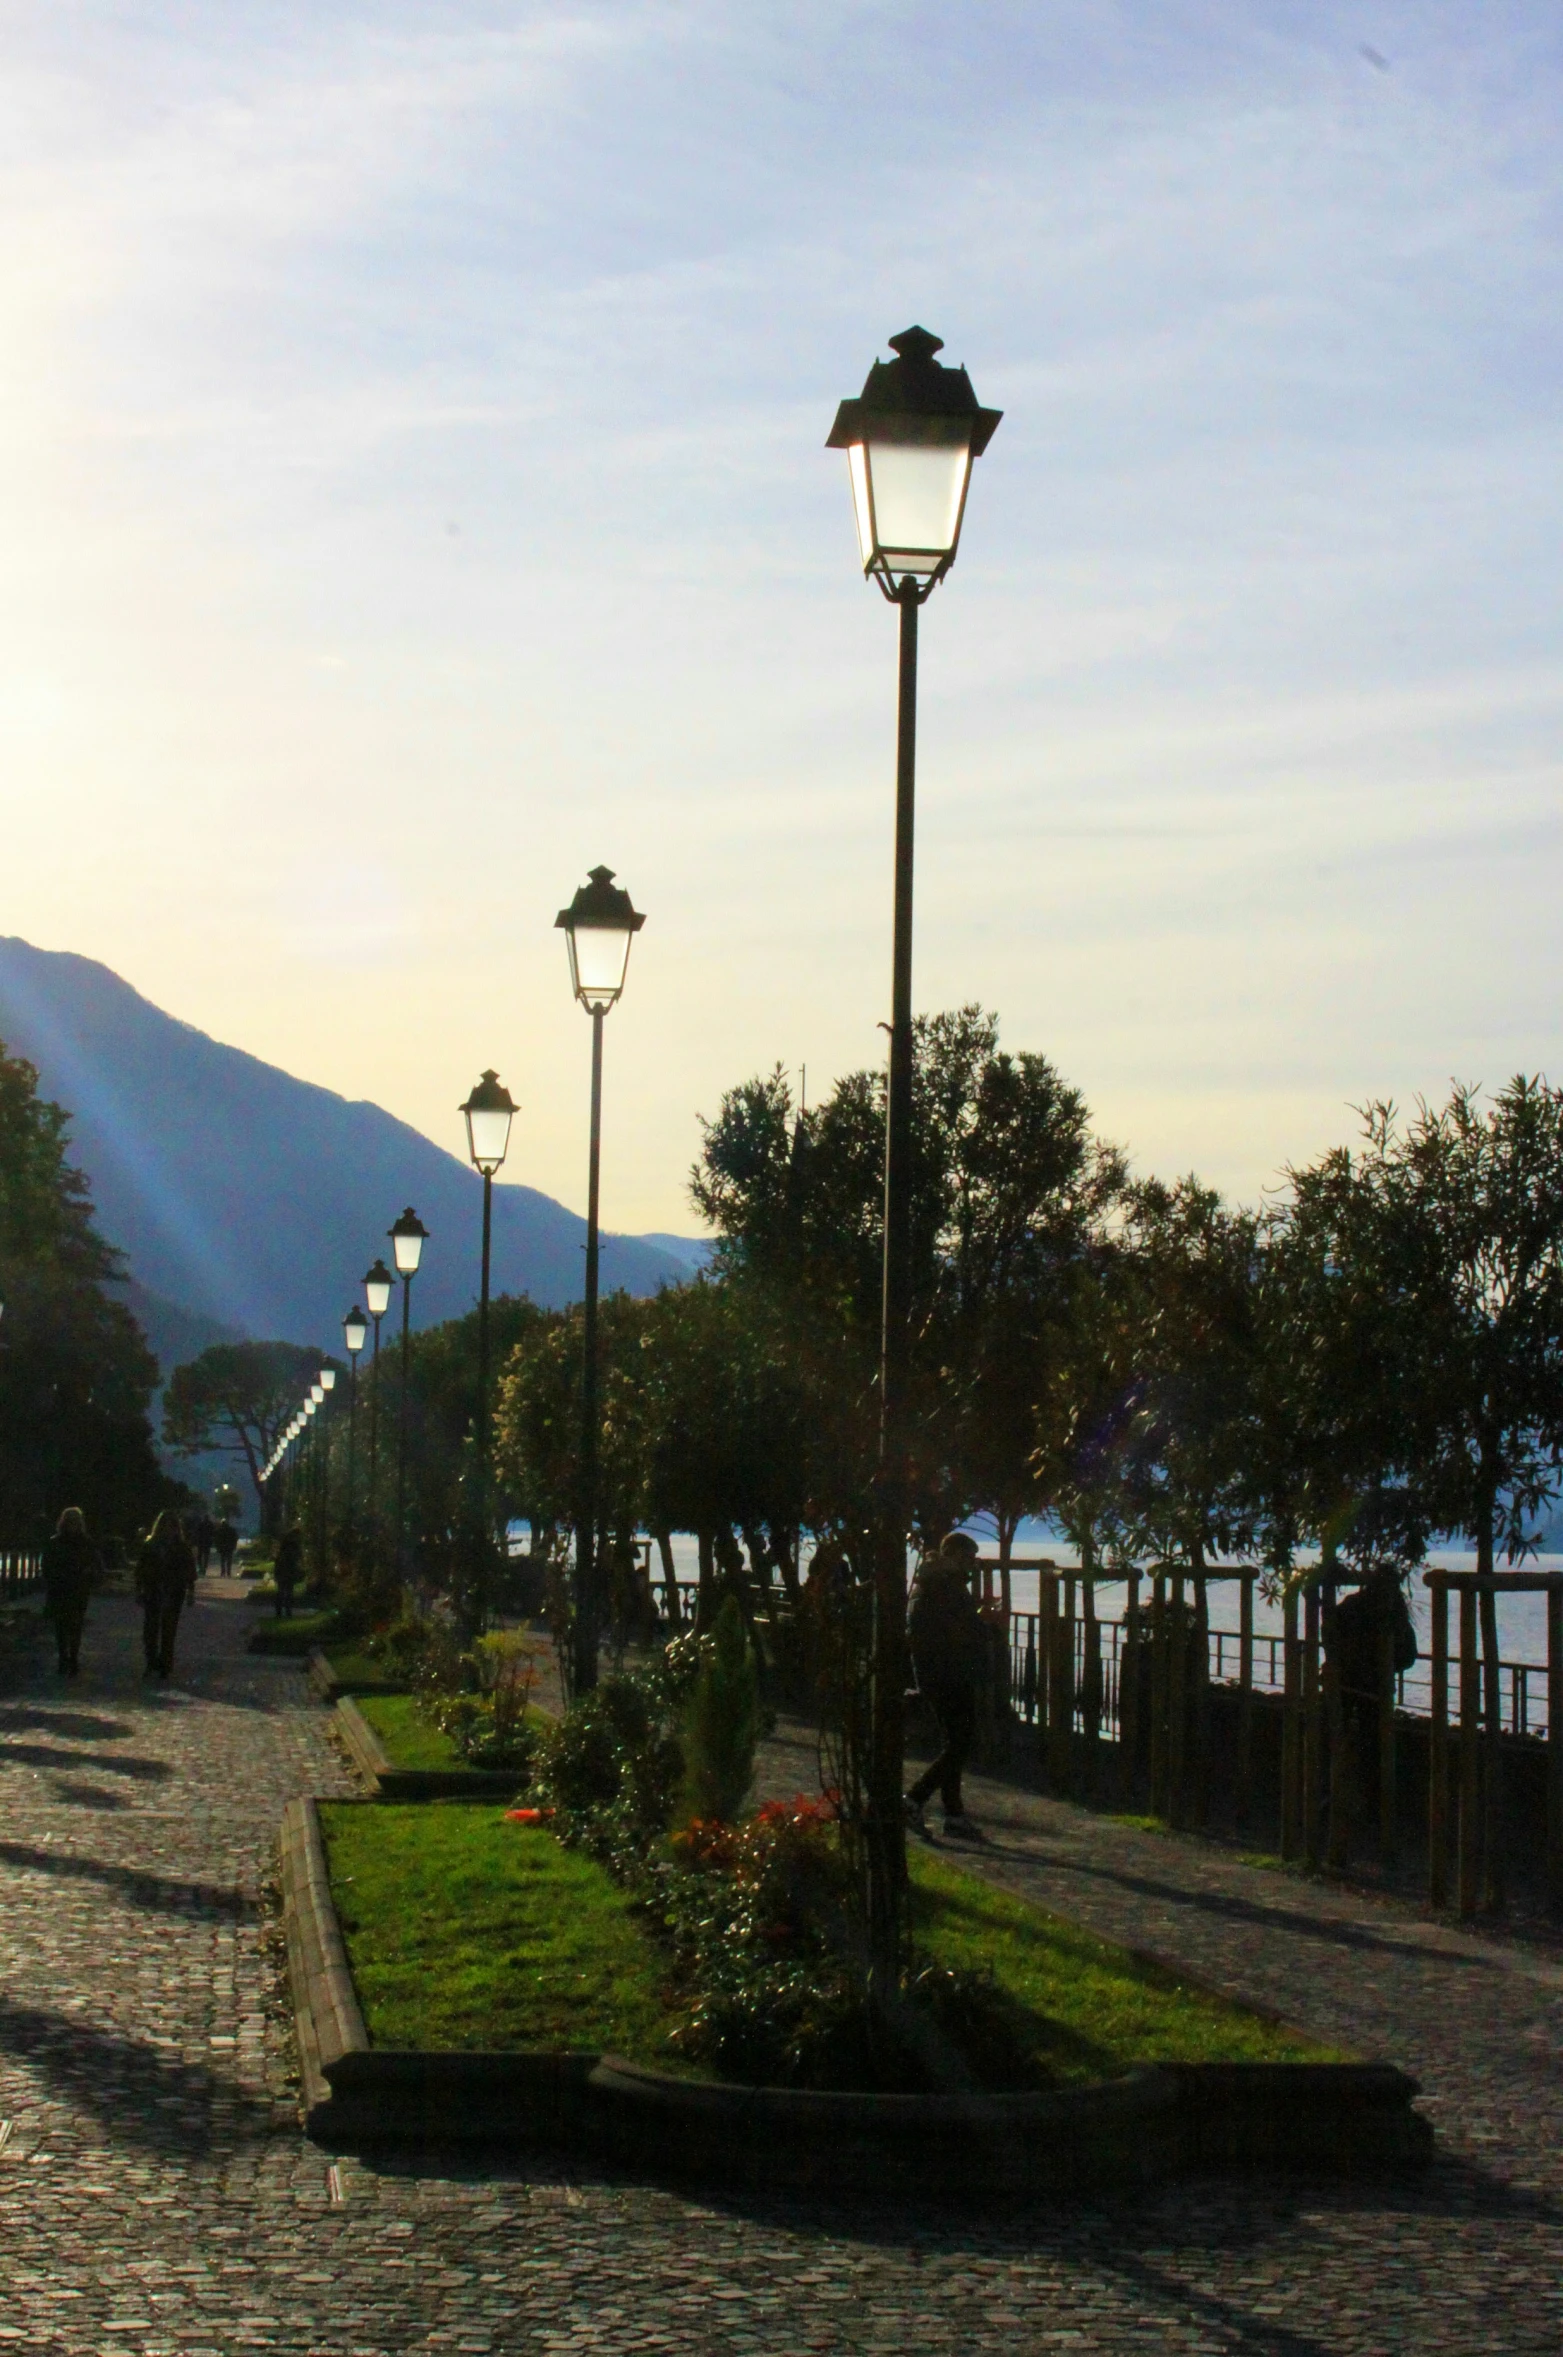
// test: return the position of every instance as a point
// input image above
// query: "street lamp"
(408, 1236)
(355, 1333)
(378, 1284)
(910, 438)
(489, 1112)
(599, 925)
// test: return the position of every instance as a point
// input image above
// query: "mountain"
(249, 1201)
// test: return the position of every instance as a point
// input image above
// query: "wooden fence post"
(1388, 1799)
(1061, 1699)
(1344, 1767)
(1177, 1702)
(1555, 1747)
(1438, 1751)
(1313, 1729)
(1091, 1684)
(1291, 1732)
(1201, 1699)
(1245, 1698)
(1159, 1694)
(1469, 1834)
(1129, 1661)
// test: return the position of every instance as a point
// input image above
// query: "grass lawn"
(410, 1740)
(465, 1931)
(1098, 2010)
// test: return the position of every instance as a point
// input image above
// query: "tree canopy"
(76, 1375)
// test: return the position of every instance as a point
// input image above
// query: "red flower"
(527, 1816)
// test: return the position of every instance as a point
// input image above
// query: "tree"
(237, 1397)
(76, 1376)
(1009, 1190)
(1445, 1243)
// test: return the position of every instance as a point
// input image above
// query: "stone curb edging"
(387, 1782)
(1169, 2120)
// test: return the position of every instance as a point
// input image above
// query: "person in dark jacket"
(227, 1547)
(288, 1571)
(948, 1644)
(72, 1568)
(164, 1571)
(1355, 1645)
(204, 1538)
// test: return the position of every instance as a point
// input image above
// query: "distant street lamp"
(489, 1112)
(355, 1332)
(599, 924)
(408, 1236)
(378, 1284)
(910, 438)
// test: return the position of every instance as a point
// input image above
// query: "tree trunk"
(705, 1594)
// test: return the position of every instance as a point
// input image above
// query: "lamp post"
(489, 1111)
(599, 925)
(377, 1292)
(408, 1236)
(910, 438)
(355, 1332)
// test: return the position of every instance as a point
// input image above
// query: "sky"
(413, 493)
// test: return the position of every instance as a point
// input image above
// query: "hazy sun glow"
(411, 457)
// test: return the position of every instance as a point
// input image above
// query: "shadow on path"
(84, 1725)
(104, 1763)
(140, 2096)
(1263, 1916)
(159, 1892)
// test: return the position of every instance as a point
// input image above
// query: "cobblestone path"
(156, 2195)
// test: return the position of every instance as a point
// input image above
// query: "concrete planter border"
(388, 1782)
(1166, 2121)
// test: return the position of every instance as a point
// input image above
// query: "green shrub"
(610, 1769)
(721, 1722)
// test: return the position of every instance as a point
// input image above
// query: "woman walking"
(163, 1574)
(72, 1568)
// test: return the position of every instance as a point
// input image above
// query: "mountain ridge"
(252, 1200)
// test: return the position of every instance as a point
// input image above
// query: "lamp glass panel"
(862, 505)
(354, 1333)
(917, 502)
(328, 1378)
(378, 1296)
(599, 955)
(488, 1137)
(409, 1251)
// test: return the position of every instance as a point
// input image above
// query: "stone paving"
(156, 2195)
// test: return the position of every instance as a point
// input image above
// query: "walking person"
(72, 1567)
(227, 1540)
(948, 1644)
(288, 1570)
(205, 1540)
(164, 1572)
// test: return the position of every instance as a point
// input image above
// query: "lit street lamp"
(408, 1236)
(599, 924)
(489, 1112)
(910, 438)
(355, 1332)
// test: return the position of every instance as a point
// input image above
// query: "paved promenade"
(156, 2195)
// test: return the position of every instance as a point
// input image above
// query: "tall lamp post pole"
(910, 438)
(408, 1236)
(378, 1283)
(489, 1111)
(599, 924)
(327, 1385)
(355, 1331)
